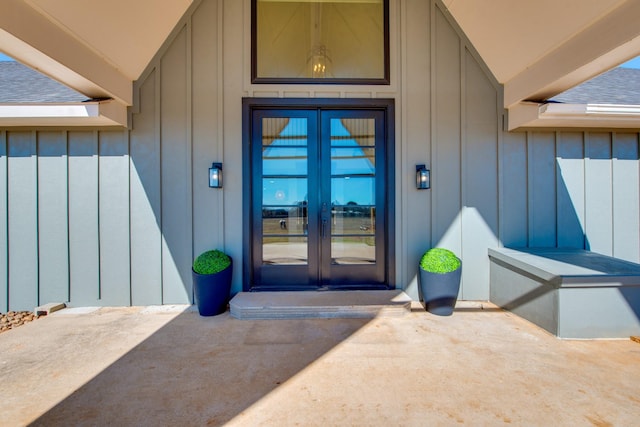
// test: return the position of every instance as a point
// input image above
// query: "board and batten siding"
(573, 189)
(452, 122)
(115, 217)
(103, 217)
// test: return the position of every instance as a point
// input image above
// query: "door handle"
(324, 219)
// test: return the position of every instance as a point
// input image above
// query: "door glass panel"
(350, 132)
(353, 220)
(353, 161)
(353, 191)
(288, 161)
(353, 250)
(284, 191)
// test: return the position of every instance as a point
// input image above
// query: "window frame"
(255, 79)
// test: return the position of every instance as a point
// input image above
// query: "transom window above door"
(324, 41)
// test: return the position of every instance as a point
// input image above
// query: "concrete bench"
(571, 293)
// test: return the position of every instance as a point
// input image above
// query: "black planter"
(440, 291)
(212, 291)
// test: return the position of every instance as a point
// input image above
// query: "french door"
(318, 198)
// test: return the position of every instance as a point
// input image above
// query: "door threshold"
(326, 304)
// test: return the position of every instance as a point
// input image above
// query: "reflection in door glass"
(353, 250)
(353, 192)
(284, 191)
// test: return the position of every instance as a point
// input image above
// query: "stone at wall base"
(51, 307)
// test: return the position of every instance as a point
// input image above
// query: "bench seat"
(572, 293)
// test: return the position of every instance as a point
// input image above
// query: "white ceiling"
(511, 35)
(534, 48)
(126, 33)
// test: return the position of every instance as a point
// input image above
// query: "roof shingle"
(616, 86)
(21, 84)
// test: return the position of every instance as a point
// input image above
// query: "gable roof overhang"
(88, 46)
(535, 49)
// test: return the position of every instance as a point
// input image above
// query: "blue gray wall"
(115, 217)
(575, 189)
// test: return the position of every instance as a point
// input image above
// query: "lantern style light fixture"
(320, 60)
(423, 177)
(215, 175)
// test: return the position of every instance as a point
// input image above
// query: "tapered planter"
(439, 277)
(212, 291)
(440, 291)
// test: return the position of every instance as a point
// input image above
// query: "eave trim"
(95, 113)
(534, 115)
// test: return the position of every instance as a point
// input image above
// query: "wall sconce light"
(423, 177)
(215, 175)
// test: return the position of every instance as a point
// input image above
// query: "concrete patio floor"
(169, 366)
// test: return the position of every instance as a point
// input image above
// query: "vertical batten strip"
(404, 276)
(176, 173)
(542, 190)
(96, 137)
(66, 143)
(186, 277)
(34, 136)
(53, 214)
(599, 194)
(433, 115)
(145, 198)
(114, 218)
(530, 189)
(84, 246)
(480, 184)
(157, 125)
(626, 196)
(127, 136)
(207, 127)
(4, 225)
(464, 167)
(23, 219)
(570, 189)
(220, 202)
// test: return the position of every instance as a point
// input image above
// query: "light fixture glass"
(319, 60)
(215, 175)
(423, 177)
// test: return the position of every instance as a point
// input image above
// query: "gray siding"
(460, 120)
(582, 191)
(113, 179)
(114, 217)
(4, 223)
(84, 222)
(146, 218)
(106, 217)
(53, 214)
(175, 162)
(22, 190)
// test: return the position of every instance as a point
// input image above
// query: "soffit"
(125, 33)
(535, 48)
(512, 35)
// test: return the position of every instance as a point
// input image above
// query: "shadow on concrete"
(477, 310)
(200, 371)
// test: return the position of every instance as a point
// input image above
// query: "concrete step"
(321, 304)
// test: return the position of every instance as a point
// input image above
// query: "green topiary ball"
(211, 262)
(440, 261)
